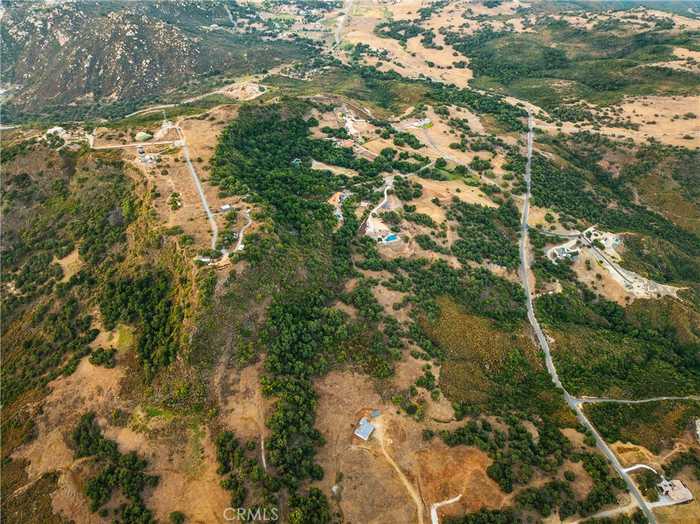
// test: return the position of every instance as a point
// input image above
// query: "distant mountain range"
(68, 58)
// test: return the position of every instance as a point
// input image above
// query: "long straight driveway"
(573, 402)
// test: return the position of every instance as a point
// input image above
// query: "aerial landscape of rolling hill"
(360, 261)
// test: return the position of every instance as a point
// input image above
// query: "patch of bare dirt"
(188, 479)
(659, 117)
(244, 91)
(503, 8)
(583, 483)
(589, 271)
(444, 191)
(536, 217)
(183, 457)
(662, 117)
(447, 472)
(171, 178)
(414, 59)
(69, 500)
(630, 454)
(369, 488)
(89, 388)
(378, 480)
(70, 264)
(387, 298)
(242, 404)
(407, 372)
(315, 164)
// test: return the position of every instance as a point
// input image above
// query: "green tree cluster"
(118, 471)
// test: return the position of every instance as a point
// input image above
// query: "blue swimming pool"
(391, 238)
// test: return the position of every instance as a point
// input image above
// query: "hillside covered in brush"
(103, 58)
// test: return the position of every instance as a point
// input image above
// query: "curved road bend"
(388, 184)
(239, 244)
(434, 518)
(542, 340)
(641, 466)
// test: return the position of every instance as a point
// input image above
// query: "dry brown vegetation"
(657, 117)
(478, 354)
(180, 452)
(396, 475)
(475, 349)
(370, 488)
(592, 273)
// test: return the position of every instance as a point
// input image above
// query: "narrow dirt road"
(241, 233)
(600, 400)
(379, 434)
(135, 144)
(388, 184)
(610, 512)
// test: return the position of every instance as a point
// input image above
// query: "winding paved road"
(573, 402)
(641, 466)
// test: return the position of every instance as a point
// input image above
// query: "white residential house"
(364, 429)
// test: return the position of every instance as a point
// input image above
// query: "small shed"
(364, 429)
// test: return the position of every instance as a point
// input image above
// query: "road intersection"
(573, 402)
